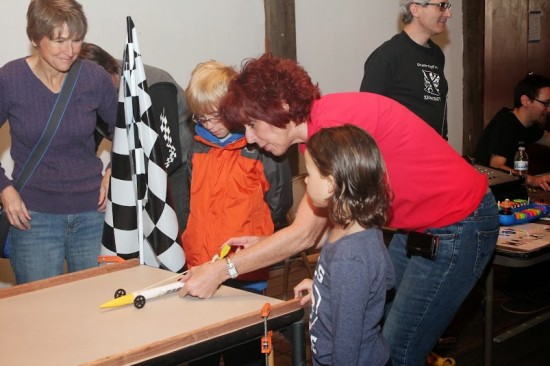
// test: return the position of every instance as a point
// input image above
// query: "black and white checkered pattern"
(167, 135)
(139, 183)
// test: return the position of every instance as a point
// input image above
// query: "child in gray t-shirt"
(346, 174)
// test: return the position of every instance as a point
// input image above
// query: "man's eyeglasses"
(545, 104)
(201, 120)
(442, 5)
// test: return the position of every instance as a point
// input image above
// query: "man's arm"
(499, 162)
(542, 181)
(545, 139)
(377, 74)
(203, 281)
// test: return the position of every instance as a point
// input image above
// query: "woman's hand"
(306, 285)
(203, 281)
(104, 190)
(14, 209)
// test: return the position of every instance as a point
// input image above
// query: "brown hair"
(93, 52)
(45, 17)
(361, 191)
(530, 86)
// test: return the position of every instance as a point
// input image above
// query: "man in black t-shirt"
(409, 67)
(520, 126)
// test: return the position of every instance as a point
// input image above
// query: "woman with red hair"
(437, 195)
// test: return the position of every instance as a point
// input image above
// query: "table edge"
(66, 278)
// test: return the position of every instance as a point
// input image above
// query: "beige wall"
(334, 37)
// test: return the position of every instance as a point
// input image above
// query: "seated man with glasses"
(409, 67)
(520, 126)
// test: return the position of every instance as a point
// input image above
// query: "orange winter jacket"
(234, 191)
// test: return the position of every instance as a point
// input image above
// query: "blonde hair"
(208, 86)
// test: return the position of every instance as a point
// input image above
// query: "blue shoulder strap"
(51, 127)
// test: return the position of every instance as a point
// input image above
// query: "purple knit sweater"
(68, 177)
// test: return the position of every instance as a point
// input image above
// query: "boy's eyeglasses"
(201, 120)
(545, 104)
(442, 5)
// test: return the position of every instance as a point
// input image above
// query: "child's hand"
(244, 242)
(305, 285)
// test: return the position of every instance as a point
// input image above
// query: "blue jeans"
(429, 293)
(40, 252)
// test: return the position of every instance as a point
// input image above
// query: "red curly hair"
(262, 90)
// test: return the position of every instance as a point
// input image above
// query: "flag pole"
(133, 132)
(139, 204)
(139, 207)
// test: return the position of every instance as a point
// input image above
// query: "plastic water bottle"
(521, 161)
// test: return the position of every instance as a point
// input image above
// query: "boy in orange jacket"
(235, 190)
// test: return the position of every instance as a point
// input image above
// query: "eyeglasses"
(442, 5)
(201, 120)
(545, 104)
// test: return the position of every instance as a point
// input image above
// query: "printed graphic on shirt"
(431, 82)
(316, 301)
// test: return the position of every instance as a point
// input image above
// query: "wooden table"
(58, 321)
(537, 194)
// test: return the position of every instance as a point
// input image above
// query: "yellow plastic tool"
(225, 250)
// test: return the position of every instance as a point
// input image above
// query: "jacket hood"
(231, 141)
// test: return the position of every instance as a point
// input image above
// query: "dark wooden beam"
(280, 40)
(280, 28)
(473, 25)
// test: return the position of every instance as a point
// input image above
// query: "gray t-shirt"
(349, 292)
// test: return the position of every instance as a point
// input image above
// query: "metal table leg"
(488, 346)
(297, 333)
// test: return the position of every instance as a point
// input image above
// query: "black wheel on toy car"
(139, 301)
(120, 292)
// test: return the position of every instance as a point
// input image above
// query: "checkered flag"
(139, 220)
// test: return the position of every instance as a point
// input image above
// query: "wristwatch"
(231, 269)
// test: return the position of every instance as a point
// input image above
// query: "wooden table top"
(62, 324)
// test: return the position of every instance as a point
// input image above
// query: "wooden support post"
(280, 28)
(280, 40)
